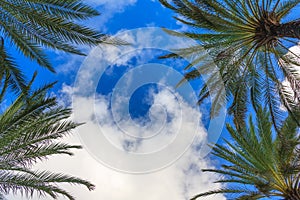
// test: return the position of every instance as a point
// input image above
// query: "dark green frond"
(10, 74)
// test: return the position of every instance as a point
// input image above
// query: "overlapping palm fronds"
(249, 42)
(31, 25)
(30, 129)
(259, 163)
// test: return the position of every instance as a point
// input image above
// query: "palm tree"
(30, 25)
(248, 41)
(30, 129)
(259, 164)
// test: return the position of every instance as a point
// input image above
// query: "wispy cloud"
(108, 9)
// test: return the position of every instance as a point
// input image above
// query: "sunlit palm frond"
(249, 42)
(32, 25)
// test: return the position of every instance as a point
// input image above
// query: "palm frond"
(30, 129)
(10, 75)
(33, 25)
(261, 162)
(247, 41)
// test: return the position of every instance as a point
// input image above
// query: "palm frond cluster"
(30, 131)
(32, 25)
(249, 42)
(32, 126)
(260, 165)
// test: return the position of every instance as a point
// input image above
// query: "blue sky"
(146, 141)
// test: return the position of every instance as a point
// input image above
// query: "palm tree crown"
(248, 41)
(260, 165)
(29, 130)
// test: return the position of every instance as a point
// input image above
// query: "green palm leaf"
(248, 41)
(32, 25)
(30, 129)
(259, 163)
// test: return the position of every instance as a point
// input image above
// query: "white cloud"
(168, 145)
(117, 4)
(69, 63)
(181, 180)
(108, 8)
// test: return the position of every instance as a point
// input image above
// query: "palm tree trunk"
(290, 29)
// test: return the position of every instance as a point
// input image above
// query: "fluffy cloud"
(133, 159)
(178, 181)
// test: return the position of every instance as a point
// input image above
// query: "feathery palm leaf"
(30, 25)
(260, 164)
(29, 130)
(248, 41)
(10, 74)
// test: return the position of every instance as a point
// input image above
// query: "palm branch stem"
(290, 30)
